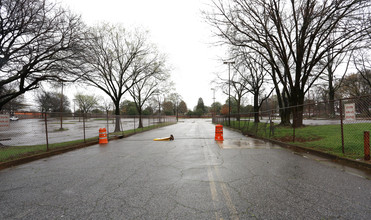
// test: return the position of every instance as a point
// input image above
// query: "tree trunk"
(297, 103)
(238, 109)
(331, 89)
(117, 115)
(285, 117)
(286, 111)
(297, 115)
(331, 101)
(256, 108)
(283, 110)
(140, 119)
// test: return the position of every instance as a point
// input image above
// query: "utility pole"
(229, 90)
(61, 107)
(214, 103)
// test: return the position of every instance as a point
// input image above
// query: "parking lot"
(32, 131)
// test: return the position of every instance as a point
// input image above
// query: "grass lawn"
(326, 138)
(14, 152)
(59, 129)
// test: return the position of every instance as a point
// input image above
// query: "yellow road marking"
(227, 196)
(214, 194)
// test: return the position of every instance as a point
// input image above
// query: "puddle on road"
(246, 143)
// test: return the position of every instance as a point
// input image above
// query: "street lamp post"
(74, 109)
(214, 112)
(229, 90)
(159, 108)
(61, 108)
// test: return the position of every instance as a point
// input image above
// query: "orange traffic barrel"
(219, 132)
(103, 136)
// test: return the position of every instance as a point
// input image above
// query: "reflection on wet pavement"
(252, 143)
(246, 143)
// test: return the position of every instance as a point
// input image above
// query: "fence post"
(134, 123)
(271, 124)
(239, 121)
(107, 126)
(248, 123)
(46, 132)
(341, 126)
(122, 127)
(366, 140)
(293, 124)
(143, 123)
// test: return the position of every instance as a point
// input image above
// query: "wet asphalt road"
(190, 178)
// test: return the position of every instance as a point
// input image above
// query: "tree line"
(40, 41)
(288, 47)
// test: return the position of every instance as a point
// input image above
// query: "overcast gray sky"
(179, 31)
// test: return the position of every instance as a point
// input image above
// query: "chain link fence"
(335, 127)
(30, 132)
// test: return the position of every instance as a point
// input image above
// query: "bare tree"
(86, 102)
(252, 78)
(292, 36)
(106, 105)
(116, 60)
(239, 91)
(144, 89)
(334, 66)
(237, 84)
(37, 39)
(14, 105)
(51, 102)
(159, 96)
(175, 98)
(362, 63)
